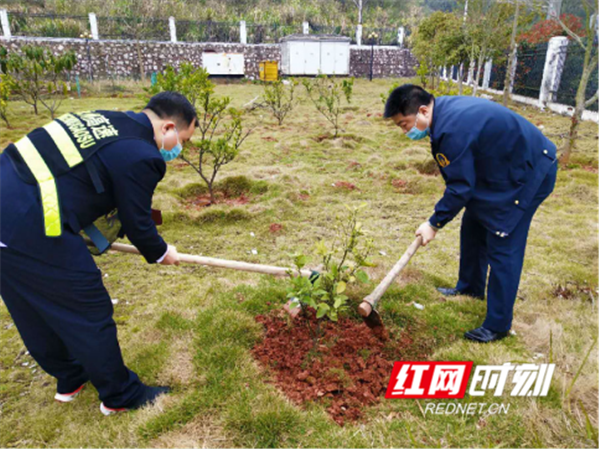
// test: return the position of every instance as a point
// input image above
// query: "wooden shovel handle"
(222, 263)
(370, 301)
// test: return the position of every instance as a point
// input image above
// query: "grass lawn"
(193, 327)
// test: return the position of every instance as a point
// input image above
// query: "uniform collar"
(438, 108)
(143, 120)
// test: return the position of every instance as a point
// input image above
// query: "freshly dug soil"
(347, 369)
(203, 200)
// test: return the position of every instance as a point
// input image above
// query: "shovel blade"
(373, 320)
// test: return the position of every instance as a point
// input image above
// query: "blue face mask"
(415, 134)
(169, 155)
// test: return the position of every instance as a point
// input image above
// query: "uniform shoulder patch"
(442, 160)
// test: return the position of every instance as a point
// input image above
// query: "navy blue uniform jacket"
(129, 169)
(493, 161)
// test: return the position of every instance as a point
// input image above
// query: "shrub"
(327, 94)
(37, 76)
(279, 98)
(5, 83)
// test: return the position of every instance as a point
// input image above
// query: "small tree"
(488, 28)
(326, 94)
(221, 134)
(545, 30)
(5, 84)
(439, 41)
(188, 80)
(37, 76)
(343, 262)
(519, 19)
(279, 98)
(590, 62)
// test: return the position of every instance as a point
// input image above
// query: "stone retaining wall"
(120, 58)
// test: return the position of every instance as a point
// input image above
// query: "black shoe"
(451, 292)
(147, 398)
(484, 335)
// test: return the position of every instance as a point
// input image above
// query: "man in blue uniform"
(500, 168)
(55, 182)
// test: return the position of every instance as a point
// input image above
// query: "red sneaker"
(66, 398)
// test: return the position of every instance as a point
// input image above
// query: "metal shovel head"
(373, 320)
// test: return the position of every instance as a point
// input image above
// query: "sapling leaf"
(322, 309)
(300, 261)
(362, 276)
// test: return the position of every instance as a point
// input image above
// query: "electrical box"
(309, 54)
(223, 63)
(268, 70)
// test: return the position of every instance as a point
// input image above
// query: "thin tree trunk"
(477, 75)
(588, 67)
(460, 79)
(511, 56)
(360, 8)
(211, 193)
(140, 60)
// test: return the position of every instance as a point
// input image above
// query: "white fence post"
(93, 26)
(173, 29)
(243, 32)
(401, 36)
(305, 28)
(5, 25)
(553, 67)
(487, 74)
(359, 34)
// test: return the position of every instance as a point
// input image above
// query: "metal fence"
(346, 31)
(47, 25)
(133, 28)
(571, 74)
(207, 31)
(269, 34)
(544, 73)
(497, 76)
(384, 36)
(529, 70)
(165, 29)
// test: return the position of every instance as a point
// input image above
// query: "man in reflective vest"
(496, 165)
(56, 181)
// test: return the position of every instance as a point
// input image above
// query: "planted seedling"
(343, 262)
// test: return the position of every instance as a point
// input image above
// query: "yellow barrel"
(268, 70)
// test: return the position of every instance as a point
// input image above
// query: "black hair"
(406, 100)
(173, 105)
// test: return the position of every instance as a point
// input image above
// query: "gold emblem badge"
(442, 160)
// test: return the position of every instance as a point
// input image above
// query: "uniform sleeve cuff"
(435, 223)
(159, 260)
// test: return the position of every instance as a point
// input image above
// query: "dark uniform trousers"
(65, 320)
(480, 249)
(51, 285)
